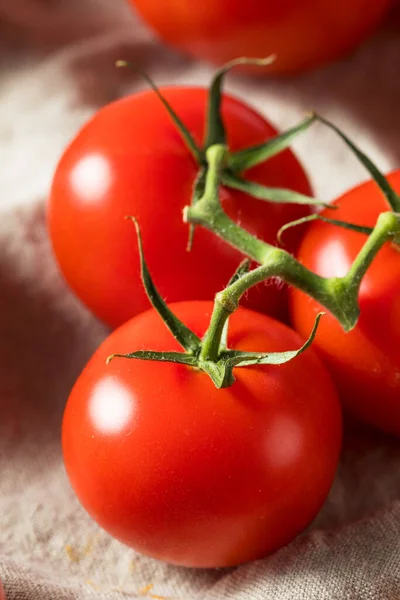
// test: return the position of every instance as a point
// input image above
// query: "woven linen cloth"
(56, 69)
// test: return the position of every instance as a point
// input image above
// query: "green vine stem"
(337, 294)
(218, 166)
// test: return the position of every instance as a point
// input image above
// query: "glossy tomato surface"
(365, 363)
(130, 160)
(193, 475)
(303, 34)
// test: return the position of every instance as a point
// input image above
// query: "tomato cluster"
(166, 461)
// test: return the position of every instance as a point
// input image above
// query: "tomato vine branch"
(217, 167)
(337, 294)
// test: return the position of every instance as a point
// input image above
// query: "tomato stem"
(223, 308)
(338, 294)
(387, 228)
(216, 158)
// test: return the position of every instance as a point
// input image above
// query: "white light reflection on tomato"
(91, 177)
(332, 260)
(111, 406)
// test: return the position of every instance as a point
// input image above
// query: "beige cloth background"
(49, 548)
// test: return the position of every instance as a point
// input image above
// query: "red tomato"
(190, 474)
(394, 16)
(130, 160)
(302, 33)
(365, 363)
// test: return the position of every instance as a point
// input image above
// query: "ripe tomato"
(365, 363)
(303, 34)
(190, 474)
(130, 160)
(394, 16)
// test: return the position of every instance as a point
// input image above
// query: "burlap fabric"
(49, 547)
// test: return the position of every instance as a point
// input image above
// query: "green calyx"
(233, 166)
(210, 354)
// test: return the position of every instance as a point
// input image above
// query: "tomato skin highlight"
(190, 474)
(130, 160)
(303, 34)
(364, 363)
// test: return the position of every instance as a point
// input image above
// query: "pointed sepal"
(250, 157)
(236, 358)
(184, 336)
(181, 127)
(270, 194)
(316, 217)
(381, 181)
(215, 129)
(175, 357)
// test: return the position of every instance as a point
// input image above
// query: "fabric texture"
(54, 74)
